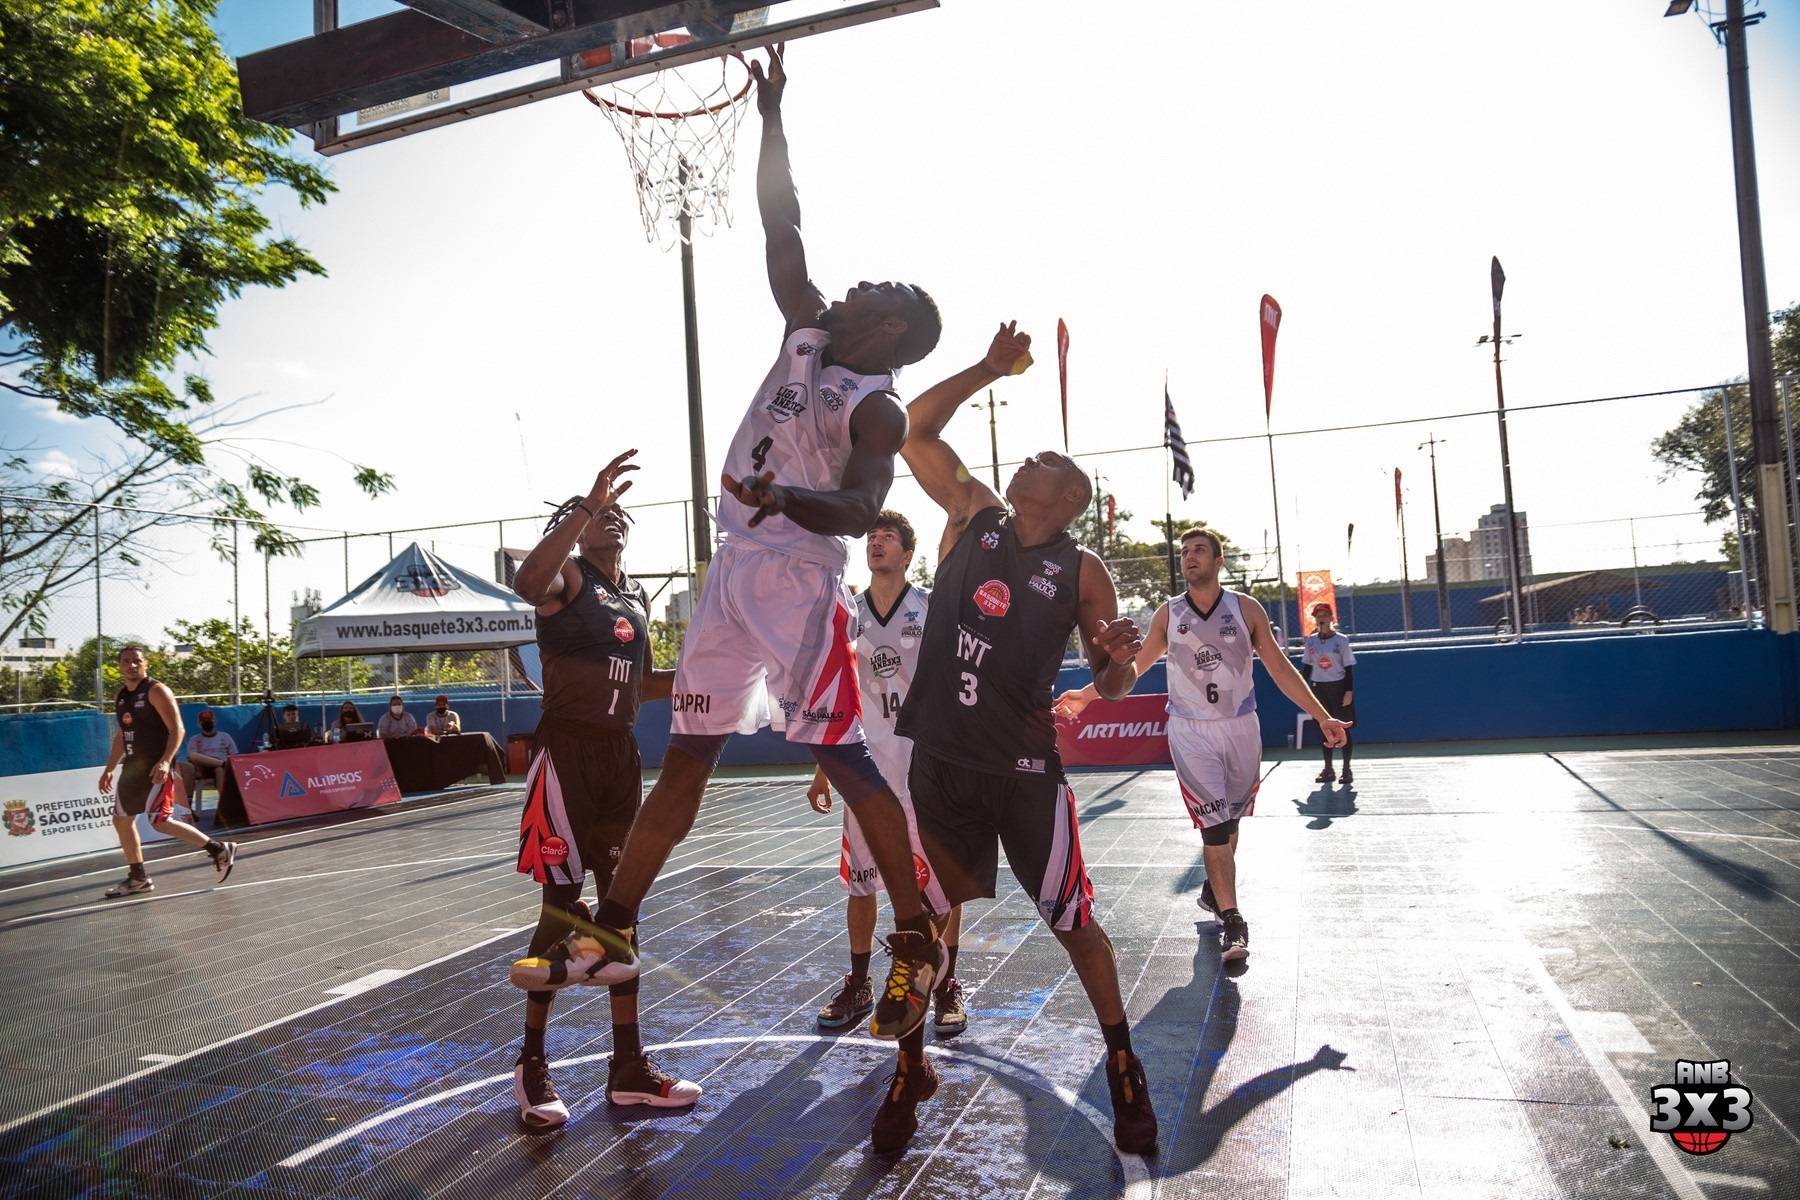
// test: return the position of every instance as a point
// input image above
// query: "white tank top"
(887, 654)
(1210, 660)
(798, 427)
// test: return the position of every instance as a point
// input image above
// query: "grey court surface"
(1467, 976)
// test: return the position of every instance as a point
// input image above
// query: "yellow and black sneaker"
(590, 954)
(905, 1001)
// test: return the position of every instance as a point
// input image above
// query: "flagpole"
(1275, 499)
(1168, 474)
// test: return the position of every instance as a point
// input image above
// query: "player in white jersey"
(890, 618)
(1211, 637)
(809, 466)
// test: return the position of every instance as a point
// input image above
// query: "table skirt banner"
(53, 814)
(279, 784)
(1132, 732)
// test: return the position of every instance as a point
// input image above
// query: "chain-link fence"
(1628, 516)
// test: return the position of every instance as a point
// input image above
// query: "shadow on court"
(1325, 805)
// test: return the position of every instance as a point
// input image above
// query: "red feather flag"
(1271, 323)
(1062, 374)
(1396, 491)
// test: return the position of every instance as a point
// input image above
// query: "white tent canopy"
(418, 602)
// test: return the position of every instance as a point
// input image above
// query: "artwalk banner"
(1120, 733)
(1315, 587)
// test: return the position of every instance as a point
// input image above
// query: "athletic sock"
(949, 968)
(918, 924)
(136, 870)
(534, 1043)
(1118, 1037)
(913, 1044)
(625, 1040)
(614, 915)
(859, 966)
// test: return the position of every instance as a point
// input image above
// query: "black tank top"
(1000, 616)
(594, 651)
(146, 736)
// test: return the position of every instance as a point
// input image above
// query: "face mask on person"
(442, 709)
(397, 709)
(207, 727)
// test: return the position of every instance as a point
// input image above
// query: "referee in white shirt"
(1330, 665)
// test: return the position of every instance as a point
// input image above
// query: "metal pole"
(1168, 514)
(1746, 560)
(99, 623)
(1512, 527)
(1406, 611)
(1437, 521)
(268, 629)
(1770, 519)
(237, 620)
(1637, 588)
(994, 438)
(346, 592)
(1280, 568)
(696, 418)
(1787, 438)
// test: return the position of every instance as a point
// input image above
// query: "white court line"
(369, 982)
(158, 1058)
(1137, 1174)
(1748, 837)
(248, 883)
(1749, 1183)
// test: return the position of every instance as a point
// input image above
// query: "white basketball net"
(679, 126)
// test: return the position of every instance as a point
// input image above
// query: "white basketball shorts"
(1218, 764)
(769, 625)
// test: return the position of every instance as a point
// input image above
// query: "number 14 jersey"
(1210, 660)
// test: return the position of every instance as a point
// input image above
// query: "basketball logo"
(622, 630)
(993, 598)
(1702, 1120)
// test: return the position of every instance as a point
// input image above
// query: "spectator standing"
(1329, 665)
(396, 722)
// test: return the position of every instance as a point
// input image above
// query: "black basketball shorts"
(965, 816)
(132, 794)
(1331, 695)
(581, 794)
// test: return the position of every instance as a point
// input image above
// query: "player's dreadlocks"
(571, 504)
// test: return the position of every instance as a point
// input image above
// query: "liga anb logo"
(1703, 1108)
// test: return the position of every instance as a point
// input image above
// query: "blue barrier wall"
(1707, 681)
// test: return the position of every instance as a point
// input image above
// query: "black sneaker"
(1234, 936)
(897, 1119)
(591, 954)
(949, 1015)
(539, 1105)
(854, 1001)
(223, 859)
(1206, 899)
(1326, 776)
(918, 962)
(1134, 1121)
(1347, 778)
(634, 1079)
(131, 885)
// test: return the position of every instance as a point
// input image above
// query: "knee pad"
(1220, 834)
(703, 748)
(851, 769)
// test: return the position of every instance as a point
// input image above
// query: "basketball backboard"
(418, 64)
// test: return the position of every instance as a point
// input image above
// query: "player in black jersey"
(144, 745)
(585, 781)
(1011, 585)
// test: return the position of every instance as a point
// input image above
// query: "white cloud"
(46, 410)
(55, 462)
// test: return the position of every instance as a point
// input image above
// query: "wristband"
(584, 508)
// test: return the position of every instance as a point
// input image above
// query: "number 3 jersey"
(798, 427)
(1210, 660)
(595, 651)
(1000, 616)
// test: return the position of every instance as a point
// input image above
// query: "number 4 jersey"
(1210, 660)
(798, 427)
(1000, 616)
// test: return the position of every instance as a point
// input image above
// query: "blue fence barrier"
(1701, 682)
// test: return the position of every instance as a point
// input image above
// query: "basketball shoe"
(919, 961)
(898, 1119)
(854, 1001)
(539, 1105)
(1134, 1121)
(634, 1079)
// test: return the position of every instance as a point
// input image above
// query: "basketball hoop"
(679, 126)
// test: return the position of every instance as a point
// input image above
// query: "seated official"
(348, 715)
(441, 720)
(292, 731)
(396, 722)
(206, 755)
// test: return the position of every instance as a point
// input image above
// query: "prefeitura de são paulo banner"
(58, 813)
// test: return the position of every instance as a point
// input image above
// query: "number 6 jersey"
(1210, 660)
(1000, 616)
(798, 427)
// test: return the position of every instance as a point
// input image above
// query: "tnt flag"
(1062, 374)
(1271, 322)
(1315, 588)
(1184, 468)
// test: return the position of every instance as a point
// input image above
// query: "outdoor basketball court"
(1466, 978)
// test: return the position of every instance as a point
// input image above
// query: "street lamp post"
(1432, 441)
(1512, 525)
(993, 433)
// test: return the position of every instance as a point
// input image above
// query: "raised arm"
(779, 201)
(1281, 669)
(1156, 644)
(547, 575)
(877, 429)
(1112, 641)
(937, 468)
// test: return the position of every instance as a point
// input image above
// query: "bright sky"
(494, 325)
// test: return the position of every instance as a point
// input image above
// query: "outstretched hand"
(761, 493)
(1331, 730)
(1070, 704)
(1010, 351)
(772, 83)
(608, 486)
(1119, 640)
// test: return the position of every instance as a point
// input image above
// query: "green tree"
(128, 216)
(1141, 569)
(665, 643)
(1697, 443)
